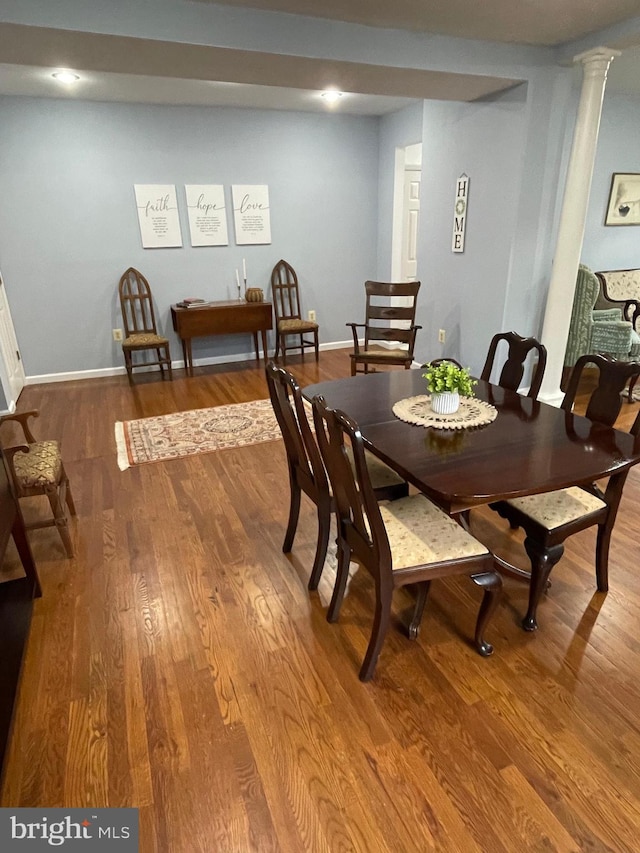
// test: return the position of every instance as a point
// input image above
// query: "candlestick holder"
(245, 287)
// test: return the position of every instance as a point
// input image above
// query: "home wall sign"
(251, 214)
(460, 213)
(158, 215)
(207, 214)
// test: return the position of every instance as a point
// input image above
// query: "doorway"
(406, 212)
(12, 376)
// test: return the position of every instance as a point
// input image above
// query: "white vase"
(445, 403)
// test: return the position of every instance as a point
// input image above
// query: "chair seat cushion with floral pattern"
(41, 466)
(144, 339)
(420, 533)
(293, 326)
(554, 509)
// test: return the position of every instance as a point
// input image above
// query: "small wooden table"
(221, 318)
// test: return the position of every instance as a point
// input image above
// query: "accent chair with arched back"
(285, 293)
(138, 317)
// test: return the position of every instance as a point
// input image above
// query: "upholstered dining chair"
(409, 541)
(390, 314)
(285, 293)
(513, 367)
(36, 468)
(549, 519)
(306, 469)
(138, 317)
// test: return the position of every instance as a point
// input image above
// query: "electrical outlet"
(311, 315)
(442, 336)
(117, 334)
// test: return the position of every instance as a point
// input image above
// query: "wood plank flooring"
(179, 664)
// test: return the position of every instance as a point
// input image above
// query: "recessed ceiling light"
(65, 76)
(331, 95)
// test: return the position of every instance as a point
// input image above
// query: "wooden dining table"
(530, 447)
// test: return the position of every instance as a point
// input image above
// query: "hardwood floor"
(179, 664)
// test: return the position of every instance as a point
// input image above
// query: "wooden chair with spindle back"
(286, 302)
(139, 322)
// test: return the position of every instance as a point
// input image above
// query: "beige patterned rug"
(196, 431)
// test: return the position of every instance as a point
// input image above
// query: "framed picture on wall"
(624, 199)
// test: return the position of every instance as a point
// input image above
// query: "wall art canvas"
(624, 199)
(158, 216)
(207, 214)
(251, 214)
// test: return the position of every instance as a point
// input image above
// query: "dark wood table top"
(531, 447)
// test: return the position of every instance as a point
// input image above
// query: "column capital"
(604, 55)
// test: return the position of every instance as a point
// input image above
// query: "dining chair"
(36, 468)
(138, 317)
(519, 349)
(390, 314)
(409, 541)
(306, 470)
(549, 519)
(285, 293)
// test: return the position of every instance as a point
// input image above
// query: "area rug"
(196, 431)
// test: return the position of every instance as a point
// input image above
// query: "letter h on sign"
(460, 214)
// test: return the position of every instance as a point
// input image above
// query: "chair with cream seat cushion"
(306, 470)
(36, 468)
(548, 519)
(389, 326)
(409, 541)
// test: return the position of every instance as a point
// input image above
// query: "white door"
(11, 369)
(410, 215)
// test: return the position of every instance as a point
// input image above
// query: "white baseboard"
(102, 372)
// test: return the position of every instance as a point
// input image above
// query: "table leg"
(189, 358)
(255, 343)
(263, 333)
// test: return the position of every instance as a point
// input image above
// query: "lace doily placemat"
(472, 413)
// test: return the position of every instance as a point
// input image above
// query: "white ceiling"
(118, 68)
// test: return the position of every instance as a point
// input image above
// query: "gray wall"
(68, 224)
(613, 247)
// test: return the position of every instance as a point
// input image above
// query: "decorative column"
(557, 318)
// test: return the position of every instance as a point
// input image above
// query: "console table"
(221, 318)
(16, 599)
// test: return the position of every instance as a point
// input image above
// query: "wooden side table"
(231, 317)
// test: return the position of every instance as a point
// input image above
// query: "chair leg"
(324, 526)
(421, 599)
(342, 576)
(378, 633)
(353, 367)
(60, 519)
(602, 557)
(169, 362)
(315, 339)
(294, 512)
(275, 355)
(491, 583)
(128, 364)
(542, 561)
(67, 493)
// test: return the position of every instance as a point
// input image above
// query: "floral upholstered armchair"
(598, 331)
(621, 288)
